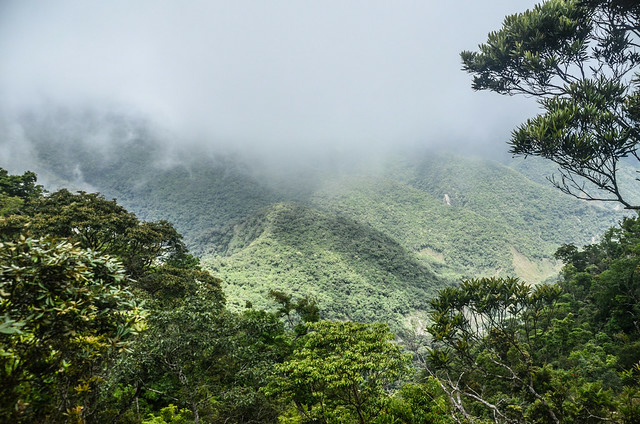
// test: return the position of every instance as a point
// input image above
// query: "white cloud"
(255, 73)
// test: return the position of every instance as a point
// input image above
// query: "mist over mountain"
(302, 211)
(389, 226)
(284, 80)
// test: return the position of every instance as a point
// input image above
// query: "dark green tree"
(485, 335)
(21, 186)
(199, 358)
(423, 403)
(195, 359)
(296, 313)
(16, 191)
(579, 58)
(103, 225)
(602, 283)
(508, 353)
(65, 313)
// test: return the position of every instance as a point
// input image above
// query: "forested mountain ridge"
(196, 192)
(494, 220)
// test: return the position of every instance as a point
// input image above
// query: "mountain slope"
(419, 221)
(354, 271)
(473, 216)
(192, 188)
(496, 221)
(370, 239)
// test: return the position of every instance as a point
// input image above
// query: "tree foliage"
(579, 58)
(100, 224)
(203, 360)
(339, 372)
(16, 191)
(507, 352)
(603, 288)
(296, 312)
(21, 186)
(65, 311)
(66, 306)
(486, 333)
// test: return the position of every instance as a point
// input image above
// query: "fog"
(267, 77)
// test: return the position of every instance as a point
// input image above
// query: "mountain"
(473, 215)
(125, 159)
(370, 239)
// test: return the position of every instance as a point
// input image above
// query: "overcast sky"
(263, 73)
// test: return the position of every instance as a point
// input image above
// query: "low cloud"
(274, 77)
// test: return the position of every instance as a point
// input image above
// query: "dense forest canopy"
(83, 341)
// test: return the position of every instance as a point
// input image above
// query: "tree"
(201, 359)
(509, 353)
(579, 58)
(305, 308)
(484, 333)
(423, 403)
(195, 356)
(21, 186)
(100, 224)
(16, 191)
(603, 285)
(339, 372)
(65, 313)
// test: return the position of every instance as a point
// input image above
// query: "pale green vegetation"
(353, 271)
(495, 215)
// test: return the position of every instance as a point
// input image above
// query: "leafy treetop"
(339, 372)
(23, 186)
(579, 59)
